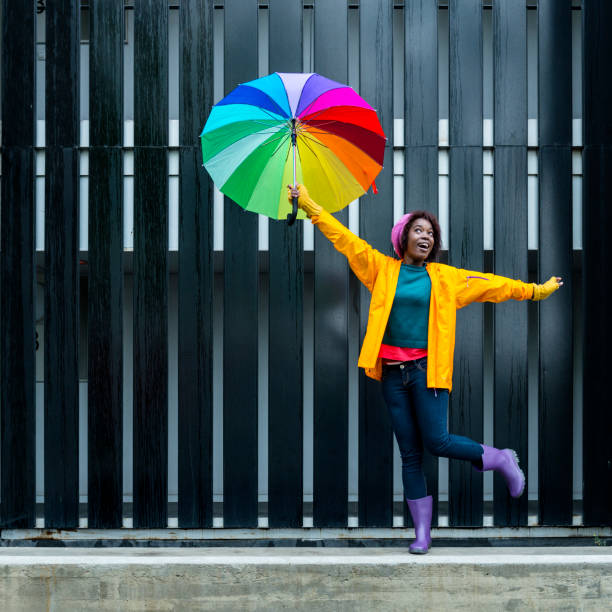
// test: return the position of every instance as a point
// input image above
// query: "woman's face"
(420, 242)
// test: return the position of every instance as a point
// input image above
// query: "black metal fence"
(502, 335)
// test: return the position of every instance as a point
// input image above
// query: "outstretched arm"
(363, 259)
(482, 287)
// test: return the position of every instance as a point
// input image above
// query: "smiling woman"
(409, 344)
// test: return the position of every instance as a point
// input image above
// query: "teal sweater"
(408, 321)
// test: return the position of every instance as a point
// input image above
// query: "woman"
(409, 344)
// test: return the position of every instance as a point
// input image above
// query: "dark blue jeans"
(418, 416)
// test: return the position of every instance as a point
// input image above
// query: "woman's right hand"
(305, 202)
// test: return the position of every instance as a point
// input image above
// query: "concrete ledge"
(305, 579)
(12, 537)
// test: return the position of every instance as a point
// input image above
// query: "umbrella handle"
(293, 214)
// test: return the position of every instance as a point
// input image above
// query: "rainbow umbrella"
(288, 128)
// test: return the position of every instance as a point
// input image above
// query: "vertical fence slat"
(17, 352)
(150, 264)
(597, 295)
(105, 331)
(240, 305)
(466, 247)
(555, 257)
(330, 504)
(105, 263)
(376, 219)
(285, 388)
(61, 266)
(510, 327)
(195, 279)
(421, 142)
(421, 107)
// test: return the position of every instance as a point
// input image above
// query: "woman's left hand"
(541, 292)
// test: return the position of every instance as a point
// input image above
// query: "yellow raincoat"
(451, 289)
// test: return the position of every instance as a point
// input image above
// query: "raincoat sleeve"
(364, 260)
(484, 287)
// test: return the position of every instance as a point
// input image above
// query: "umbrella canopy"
(247, 143)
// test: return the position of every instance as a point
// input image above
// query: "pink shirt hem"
(397, 353)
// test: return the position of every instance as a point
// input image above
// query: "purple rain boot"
(421, 510)
(506, 463)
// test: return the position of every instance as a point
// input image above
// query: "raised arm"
(364, 260)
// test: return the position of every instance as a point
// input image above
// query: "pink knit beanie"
(396, 233)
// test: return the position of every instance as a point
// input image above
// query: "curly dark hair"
(423, 214)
